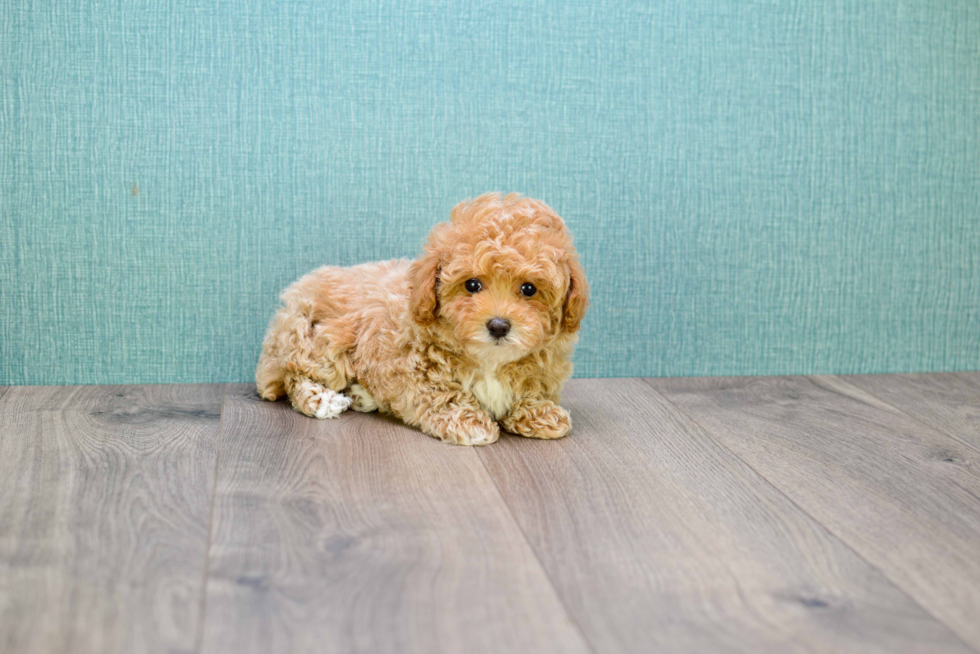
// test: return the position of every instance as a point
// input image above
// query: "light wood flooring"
(767, 514)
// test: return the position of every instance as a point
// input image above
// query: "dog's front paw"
(480, 435)
(464, 428)
(541, 419)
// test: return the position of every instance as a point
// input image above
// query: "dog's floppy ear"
(577, 298)
(424, 279)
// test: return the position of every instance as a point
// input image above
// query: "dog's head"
(501, 278)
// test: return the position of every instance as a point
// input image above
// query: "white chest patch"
(495, 398)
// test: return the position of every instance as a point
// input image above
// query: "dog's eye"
(473, 285)
(527, 289)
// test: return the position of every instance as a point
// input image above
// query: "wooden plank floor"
(785, 514)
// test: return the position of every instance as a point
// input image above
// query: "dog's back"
(325, 316)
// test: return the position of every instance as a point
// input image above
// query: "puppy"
(473, 336)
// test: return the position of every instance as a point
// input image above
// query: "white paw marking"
(329, 404)
(480, 436)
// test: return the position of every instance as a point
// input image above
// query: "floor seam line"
(826, 528)
(537, 559)
(199, 639)
(941, 430)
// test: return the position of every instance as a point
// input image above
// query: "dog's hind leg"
(269, 377)
(362, 400)
(314, 381)
(298, 347)
(313, 399)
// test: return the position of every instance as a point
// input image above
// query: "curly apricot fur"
(407, 338)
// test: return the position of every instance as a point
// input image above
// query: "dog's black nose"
(498, 327)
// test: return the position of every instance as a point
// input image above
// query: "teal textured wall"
(756, 187)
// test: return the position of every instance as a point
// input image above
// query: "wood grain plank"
(660, 540)
(949, 401)
(905, 496)
(363, 535)
(105, 496)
